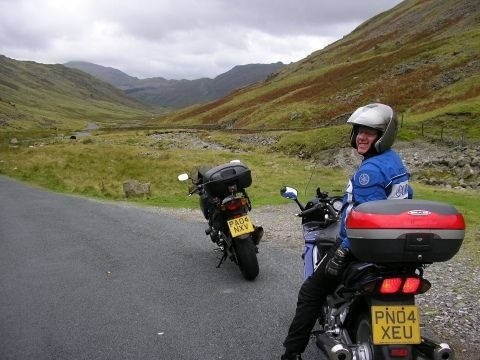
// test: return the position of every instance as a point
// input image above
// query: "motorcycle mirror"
(289, 192)
(183, 177)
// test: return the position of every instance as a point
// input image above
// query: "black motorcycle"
(225, 204)
(372, 314)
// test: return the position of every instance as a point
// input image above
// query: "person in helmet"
(380, 176)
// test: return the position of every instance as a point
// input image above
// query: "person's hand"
(337, 263)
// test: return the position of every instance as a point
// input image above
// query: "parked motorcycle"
(225, 204)
(372, 314)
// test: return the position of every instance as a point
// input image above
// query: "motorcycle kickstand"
(222, 259)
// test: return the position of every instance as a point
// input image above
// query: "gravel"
(450, 310)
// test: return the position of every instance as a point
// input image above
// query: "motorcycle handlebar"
(309, 211)
(329, 208)
(196, 189)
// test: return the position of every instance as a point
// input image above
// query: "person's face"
(366, 137)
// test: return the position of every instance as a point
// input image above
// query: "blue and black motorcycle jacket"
(379, 177)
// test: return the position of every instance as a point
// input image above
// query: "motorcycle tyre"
(362, 332)
(246, 254)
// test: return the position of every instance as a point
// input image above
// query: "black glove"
(338, 261)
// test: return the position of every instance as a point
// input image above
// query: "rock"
(134, 188)
(461, 161)
(467, 172)
(294, 115)
(13, 141)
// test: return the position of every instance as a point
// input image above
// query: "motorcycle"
(372, 313)
(225, 205)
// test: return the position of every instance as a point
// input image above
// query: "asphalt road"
(82, 279)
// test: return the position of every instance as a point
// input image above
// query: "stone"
(13, 141)
(467, 172)
(294, 115)
(134, 188)
(462, 161)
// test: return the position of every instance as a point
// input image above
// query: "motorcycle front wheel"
(246, 254)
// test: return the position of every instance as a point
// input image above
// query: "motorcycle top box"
(386, 231)
(218, 179)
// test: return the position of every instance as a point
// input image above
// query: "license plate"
(241, 225)
(396, 325)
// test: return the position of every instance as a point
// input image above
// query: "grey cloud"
(273, 17)
(176, 39)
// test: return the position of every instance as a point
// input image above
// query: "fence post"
(422, 129)
(401, 123)
(441, 134)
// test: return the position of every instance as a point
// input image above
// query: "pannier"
(218, 179)
(385, 231)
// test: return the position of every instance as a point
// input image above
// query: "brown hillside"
(420, 56)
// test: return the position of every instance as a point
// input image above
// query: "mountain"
(34, 95)
(421, 57)
(180, 93)
(110, 75)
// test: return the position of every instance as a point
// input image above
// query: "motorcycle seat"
(358, 274)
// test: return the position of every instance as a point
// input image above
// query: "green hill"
(39, 96)
(421, 57)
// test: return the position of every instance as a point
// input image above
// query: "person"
(381, 175)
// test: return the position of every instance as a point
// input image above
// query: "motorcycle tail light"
(411, 285)
(235, 204)
(390, 285)
(399, 352)
(422, 287)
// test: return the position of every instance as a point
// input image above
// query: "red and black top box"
(385, 231)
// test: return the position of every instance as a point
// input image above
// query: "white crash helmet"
(379, 117)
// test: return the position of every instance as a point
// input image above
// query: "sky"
(176, 39)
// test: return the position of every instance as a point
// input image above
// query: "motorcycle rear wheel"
(363, 333)
(363, 328)
(246, 254)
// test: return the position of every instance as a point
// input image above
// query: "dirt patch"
(185, 140)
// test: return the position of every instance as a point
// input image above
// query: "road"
(84, 279)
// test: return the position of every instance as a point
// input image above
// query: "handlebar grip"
(309, 211)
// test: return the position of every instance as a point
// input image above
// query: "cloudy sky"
(178, 38)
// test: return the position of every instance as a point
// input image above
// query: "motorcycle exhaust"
(435, 351)
(334, 349)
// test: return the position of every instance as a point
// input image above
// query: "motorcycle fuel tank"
(385, 231)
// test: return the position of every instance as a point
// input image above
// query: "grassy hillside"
(422, 57)
(38, 96)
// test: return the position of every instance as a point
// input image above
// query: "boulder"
(133, 188)
(467, 172)
(462, 161)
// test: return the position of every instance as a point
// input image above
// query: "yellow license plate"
(396, 325)
(241, 225)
